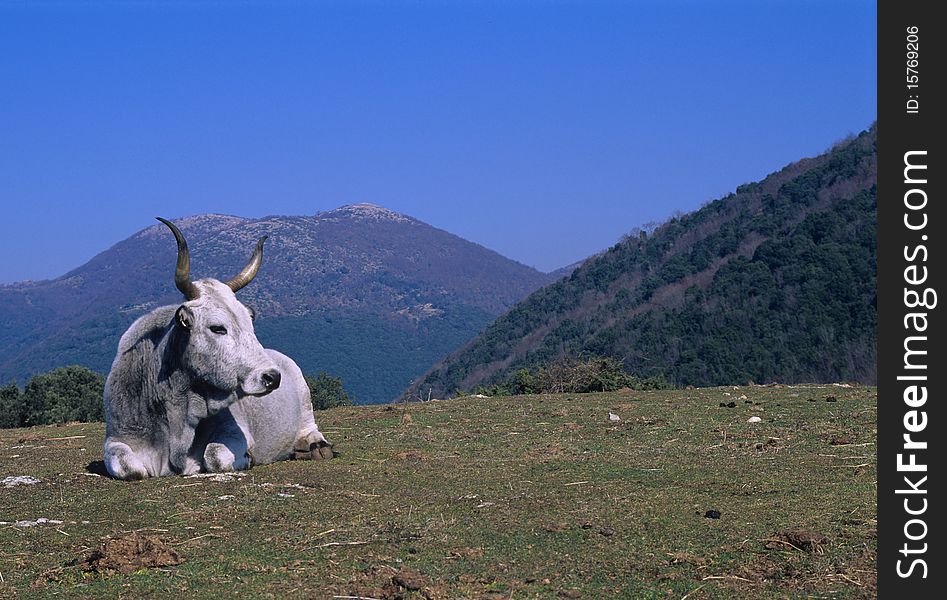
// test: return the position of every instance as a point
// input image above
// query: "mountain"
(775, 282)
(364, 293)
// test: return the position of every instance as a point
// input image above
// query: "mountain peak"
(362, 292)
(193, 224)
(365, 211)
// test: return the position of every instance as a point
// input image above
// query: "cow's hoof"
(132, 475)
(312, 445)
(321, 450)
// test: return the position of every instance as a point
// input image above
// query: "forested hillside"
(775, 282)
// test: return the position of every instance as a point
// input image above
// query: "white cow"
(191, 389)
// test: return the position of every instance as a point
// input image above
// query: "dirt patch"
(410, 455)
(771, 443)
(131, 552)
(379, 582)
(687, 557)
(861, 571)
(840, 439)
(467, 553)
(551, 452)
(649, 421)
(808, 571)
(799, 539)
(409, 580)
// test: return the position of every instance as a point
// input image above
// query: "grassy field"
(523, 497)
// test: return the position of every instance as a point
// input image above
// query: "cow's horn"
(249, 272)
(182, 274)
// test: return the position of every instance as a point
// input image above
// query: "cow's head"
(218, 346)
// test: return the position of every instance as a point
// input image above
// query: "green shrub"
(12, 412)
(65, 394)
(327, 391)
(575, 376)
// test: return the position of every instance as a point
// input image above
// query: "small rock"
(16, 480)
(754, 419)
(742, 396)
(613, 417)
(831, 399)
(728, 405)
(39, 521)
(607, 531)
(712, 514)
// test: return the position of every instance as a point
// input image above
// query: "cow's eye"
(218, 329)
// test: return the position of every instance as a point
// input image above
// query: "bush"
(594, 374)
(11, 406)
(598, 374)
(327, 391)
(61, 395)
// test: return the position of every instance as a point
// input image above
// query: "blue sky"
(542, 130)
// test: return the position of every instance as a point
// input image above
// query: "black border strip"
(910, 129)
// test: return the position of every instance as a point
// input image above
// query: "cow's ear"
(184, 317)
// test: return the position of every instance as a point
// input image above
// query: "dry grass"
(526, 497)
